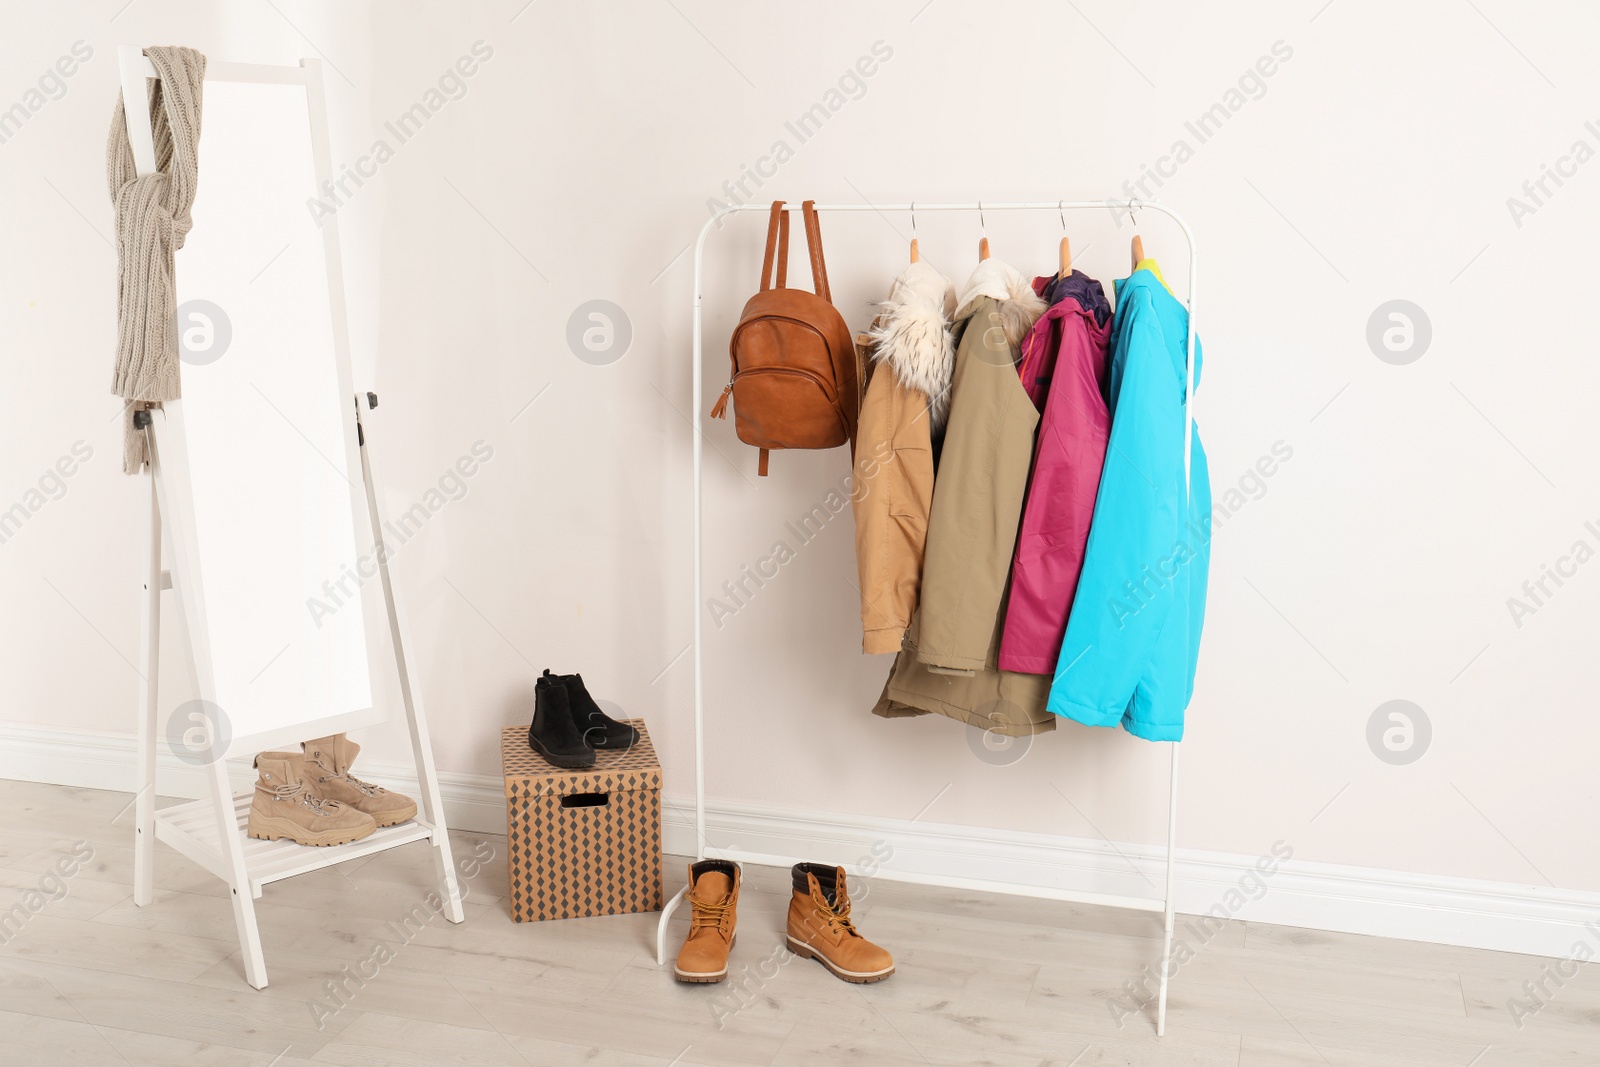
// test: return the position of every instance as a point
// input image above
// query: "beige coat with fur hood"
(909, 356)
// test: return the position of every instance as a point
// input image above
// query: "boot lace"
(709, 913)
(366, 787)
(297, 790)
(836, 916)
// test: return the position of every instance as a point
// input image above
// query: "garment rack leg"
(1171, 910)
(694, 594)
(661, 925)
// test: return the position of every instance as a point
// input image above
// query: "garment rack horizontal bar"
(1112, 205)
(1122, 205)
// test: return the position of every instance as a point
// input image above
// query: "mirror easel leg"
(244, 905)
(432, 808)
(144, 804)
(430, 804)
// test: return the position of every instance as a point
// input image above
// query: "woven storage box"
(582, 842)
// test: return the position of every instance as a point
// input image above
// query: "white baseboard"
(473, 802)
(1319, 896)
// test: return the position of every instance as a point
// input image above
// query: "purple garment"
(1064, 369)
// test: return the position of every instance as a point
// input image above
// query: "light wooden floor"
(91, 979)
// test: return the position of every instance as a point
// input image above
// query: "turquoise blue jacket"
(1133, 636)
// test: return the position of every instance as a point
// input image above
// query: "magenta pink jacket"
(1064, 369)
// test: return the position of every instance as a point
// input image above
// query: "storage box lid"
(527, 773)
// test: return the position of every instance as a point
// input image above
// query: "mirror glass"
(268, 432)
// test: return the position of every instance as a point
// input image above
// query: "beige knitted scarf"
(152, 221)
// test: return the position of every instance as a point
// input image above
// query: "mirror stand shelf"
(191, 829)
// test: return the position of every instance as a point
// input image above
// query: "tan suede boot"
(328, 761)
(714, 903)
(820, 926)
(284, 807)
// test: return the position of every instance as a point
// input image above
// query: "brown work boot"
(820, 926)
(714, 900)
(328, 761)
(284, 807)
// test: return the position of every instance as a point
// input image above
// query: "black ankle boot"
(598, 728)
(553, 733)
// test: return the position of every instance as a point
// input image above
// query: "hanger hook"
(1061, 213)
(1132, 215)
(983, 227)
(913, 220)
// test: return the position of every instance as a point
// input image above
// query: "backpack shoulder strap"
(777, 240)
(819, 269)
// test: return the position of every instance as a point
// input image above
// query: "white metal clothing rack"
(1163, 905)
(211, 831)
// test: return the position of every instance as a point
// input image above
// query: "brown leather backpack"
(794, 380)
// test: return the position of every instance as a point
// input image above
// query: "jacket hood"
(1020, 307)
(912, 336)
(1090, 294)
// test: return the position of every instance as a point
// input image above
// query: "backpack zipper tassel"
(719, 410)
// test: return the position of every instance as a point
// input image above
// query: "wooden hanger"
(916, 253)
(1138, 242)
(983, 241)
(1066, 245)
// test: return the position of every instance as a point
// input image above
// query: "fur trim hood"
(912, 336)
(1020, 307)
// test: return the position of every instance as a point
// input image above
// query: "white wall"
(1375, 564)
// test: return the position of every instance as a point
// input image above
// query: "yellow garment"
(1149, 264)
